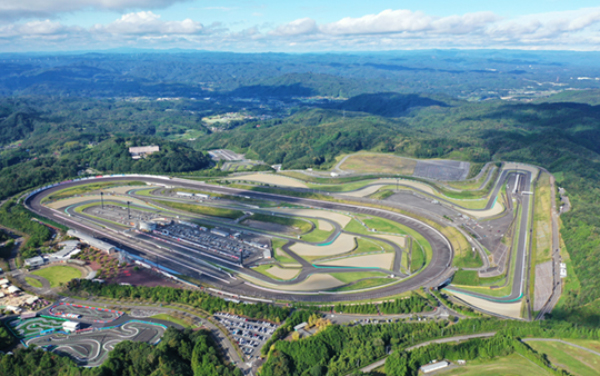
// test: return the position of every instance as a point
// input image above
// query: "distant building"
(432, 367)
(138, 152)
(185, 194)
(34, 261)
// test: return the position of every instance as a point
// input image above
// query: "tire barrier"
(74, 316)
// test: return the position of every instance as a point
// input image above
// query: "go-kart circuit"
(302, 241)
(84, 314)
(90, 347)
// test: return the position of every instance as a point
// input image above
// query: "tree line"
(194, 298)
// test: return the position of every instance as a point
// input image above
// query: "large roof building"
(138, 152)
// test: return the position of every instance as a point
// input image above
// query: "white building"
(34, 261)
(70, 326)
(92, 242)
(432, 367)
(138, 152)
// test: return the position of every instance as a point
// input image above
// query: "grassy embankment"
(574, 360)
(79, 190)
(210, 211)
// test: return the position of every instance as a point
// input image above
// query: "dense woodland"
(181, 353)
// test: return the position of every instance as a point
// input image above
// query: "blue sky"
(298, 26)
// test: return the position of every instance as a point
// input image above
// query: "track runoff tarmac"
(430, 276)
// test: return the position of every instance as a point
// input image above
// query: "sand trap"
(498, 208)
(123, 190)
(280, 180)
(325, 226)
(76, 200)
(399, 240)
(315, 282)
(505, 309)
(365, 191)
(341, 219)
(377, 184)
(283, 273)
(344, 243)
(382, 260)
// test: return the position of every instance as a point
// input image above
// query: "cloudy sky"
(298, 26)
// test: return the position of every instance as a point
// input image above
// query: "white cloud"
(389, 29)
(148, 23)
(297, 27)
(16, 9)
(388, 21)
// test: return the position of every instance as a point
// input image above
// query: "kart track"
(90, 347)
(202, 266)
(84, 314)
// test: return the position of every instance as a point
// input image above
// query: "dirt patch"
(382, 260)
(344, 243)
(400, 241)
(498, 208)
(315, 282)
(505, 309)
(325, 226)
(141, 277)
(283, 181)
(282, 272)
(379, 163)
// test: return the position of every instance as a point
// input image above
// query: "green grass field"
(33, 282)
(69, 192)
(58, 274)
(513, 364)
(203, 210)
(316, 236)
(367, 283)
(175, 320)
(301, 225)
(355, 276)
(575, 361)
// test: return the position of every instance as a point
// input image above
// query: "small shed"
(13, 289)
(432, 367)
(300, 326)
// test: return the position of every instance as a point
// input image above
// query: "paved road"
(441, 260)
(556, 259)
(519, 282)
(381, 362)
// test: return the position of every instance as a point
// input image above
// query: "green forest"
(181, 353)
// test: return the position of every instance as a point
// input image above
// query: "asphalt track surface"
(429, 276)
(91, 348)
(522, 245)
(440, 262)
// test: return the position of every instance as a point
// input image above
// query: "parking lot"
(230, 246)
(250, 335)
